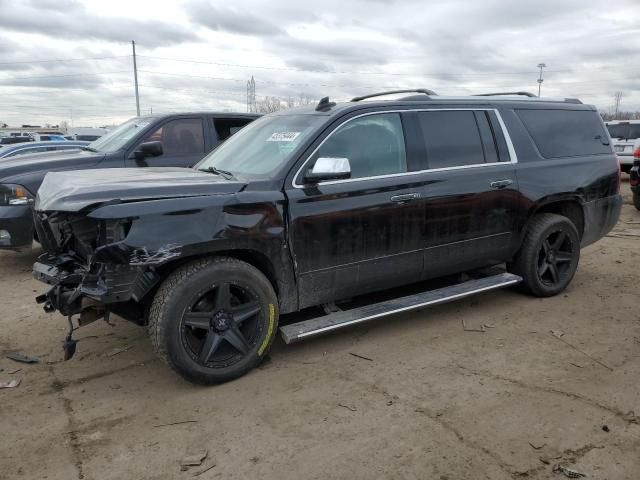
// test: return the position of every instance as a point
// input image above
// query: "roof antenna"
(325, 105)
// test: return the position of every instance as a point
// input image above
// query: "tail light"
(636, 154)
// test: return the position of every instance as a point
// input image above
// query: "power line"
(64, 60)
(62, 76)
(291, 69)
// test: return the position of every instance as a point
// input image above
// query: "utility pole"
(251, 95)
(540, 79)
(135, 77)
(618, 98)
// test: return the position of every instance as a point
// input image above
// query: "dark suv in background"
(176, 140)
(316, 205)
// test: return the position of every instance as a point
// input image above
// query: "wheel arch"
(280, 281)
(570, 208)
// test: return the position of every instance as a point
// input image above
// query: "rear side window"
(452, 138)
(566, 133)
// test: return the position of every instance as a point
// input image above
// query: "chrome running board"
(296, 332)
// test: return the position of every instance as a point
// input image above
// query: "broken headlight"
(14, 194)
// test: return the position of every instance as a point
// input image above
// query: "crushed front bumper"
(76, 289)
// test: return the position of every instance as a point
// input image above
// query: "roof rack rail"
(426, 91)
(524, 94)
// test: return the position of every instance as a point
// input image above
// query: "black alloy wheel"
(554, 258)
(220, 327)
(214, 319)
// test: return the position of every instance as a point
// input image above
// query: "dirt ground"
(431, 401)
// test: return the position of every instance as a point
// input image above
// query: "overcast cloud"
(67, 60)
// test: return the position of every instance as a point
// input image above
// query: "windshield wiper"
(217, 171)
(88, 149)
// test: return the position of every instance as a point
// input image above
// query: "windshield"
(624, 130)
(116, 139)
(263, 146)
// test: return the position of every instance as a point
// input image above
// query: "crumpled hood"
(74, 190)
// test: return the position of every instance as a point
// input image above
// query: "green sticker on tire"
(272, 321)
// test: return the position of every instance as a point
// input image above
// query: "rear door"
(364, 233)
(470, 189)
(183, 143)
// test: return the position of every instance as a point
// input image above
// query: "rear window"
(565, 133)
(624, 130)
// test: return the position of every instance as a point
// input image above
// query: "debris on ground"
(559, 333)
(631, 417)
(361, 356)
(22, 358)
(488, 325)
(464, 327)
(353, 409)
(568, 472)
(206, 469)
(175, 423)
(193, 459)
(537, 447)
(14, 371)
(576, 365)
(119, 350)
(10, 384)
(605, 428)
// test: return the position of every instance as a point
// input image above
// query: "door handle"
(500, 183)
(405, 197)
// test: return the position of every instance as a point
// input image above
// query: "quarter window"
(374, 145)
(566, 133)
(452, 138)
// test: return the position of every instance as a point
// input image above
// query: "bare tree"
(269, 104)
(617, 98)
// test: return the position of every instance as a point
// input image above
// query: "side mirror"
(328, 168)
(148, 149)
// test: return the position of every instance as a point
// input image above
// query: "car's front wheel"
(549, 255)
(636, 200)
(214, 319)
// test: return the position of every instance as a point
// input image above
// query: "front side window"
(452, 138)
(374, 145)
(179, 137)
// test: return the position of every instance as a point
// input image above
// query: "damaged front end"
(90, 271)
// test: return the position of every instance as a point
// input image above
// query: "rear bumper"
(16, 226)
(600, 216)
(625, 159)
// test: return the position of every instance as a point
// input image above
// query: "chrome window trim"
(513, 159)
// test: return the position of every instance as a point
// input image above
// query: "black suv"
(176, 140)
(315, 205)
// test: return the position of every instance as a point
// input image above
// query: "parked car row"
(310, 207)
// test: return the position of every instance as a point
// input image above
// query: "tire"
(636, 200)
(211, 333)
(551, 243)
(626, 168)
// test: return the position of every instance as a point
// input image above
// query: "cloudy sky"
(70, 60)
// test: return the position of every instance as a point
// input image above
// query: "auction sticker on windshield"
(283, 136)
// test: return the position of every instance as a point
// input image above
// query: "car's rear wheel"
(214, 319)
(636, 200)
(549, 255)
